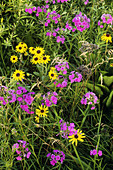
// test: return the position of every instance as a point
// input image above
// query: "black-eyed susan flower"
(19, 48)
(53, 74)
(106, 37)
(41, 112)
(45, 59)
(32, 50)
(13, 58)
(37, 119)
(39, 51)
(77, 136)
(18, 75)
(36, 59)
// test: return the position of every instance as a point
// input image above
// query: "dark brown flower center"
(44, 58)
(18, 74)
(52, 75)
(107, 35)
(38, 51)
(76, 136)
(20, 48)
(42, 111)
(36, 59)
(13, 58)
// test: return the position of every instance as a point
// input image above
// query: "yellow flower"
(53, 74)
(13, 58)
(52, 68)
(76, 137)
(32, 50)
(21, 47)
(18, 75)
(42, 111)
(39, 51)
(37, 119)
(106, 37)
(45, 59)
(25, 54)
(35, 59)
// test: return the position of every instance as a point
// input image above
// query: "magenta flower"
(18, 92)
(21, 149)
(19, 158)
(58, 156)
(100, 153)
(91, 99)
(94, 152)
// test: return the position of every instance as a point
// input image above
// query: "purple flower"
(19, 99)
(57, 157)
(49, 154)
(19, 158)
(100, 153)
(94, 152)
(29, 11)
(53, 162)
(28, 154)
(54, 99)
(18, 92)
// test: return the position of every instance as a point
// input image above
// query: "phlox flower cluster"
(50, 98)
(54, 33)
(21, 149)
(90, 98)
(37, 10)
(106, 18)
(81, 22)
(69, 27)
(61, 82)
(62, 67)
(75, 77)
(52, 16)
(57, 1)
(66, 129)
(95, 152)
(19, 95)
(58, 156)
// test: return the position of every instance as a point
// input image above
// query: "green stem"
(78, 156)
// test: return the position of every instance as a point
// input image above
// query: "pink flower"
(48, 103)
(53, 162)
(28, 154)
(46, 24)
(54, 34)
(29, 11)
(54, 99)
(19, 158)
(18, 92)
(19, 99)
(94, 152)
(101, 26)
(37, 14)
(100, 153)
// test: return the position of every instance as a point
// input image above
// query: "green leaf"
(36, 73)
(108, 80)
(109, 99)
